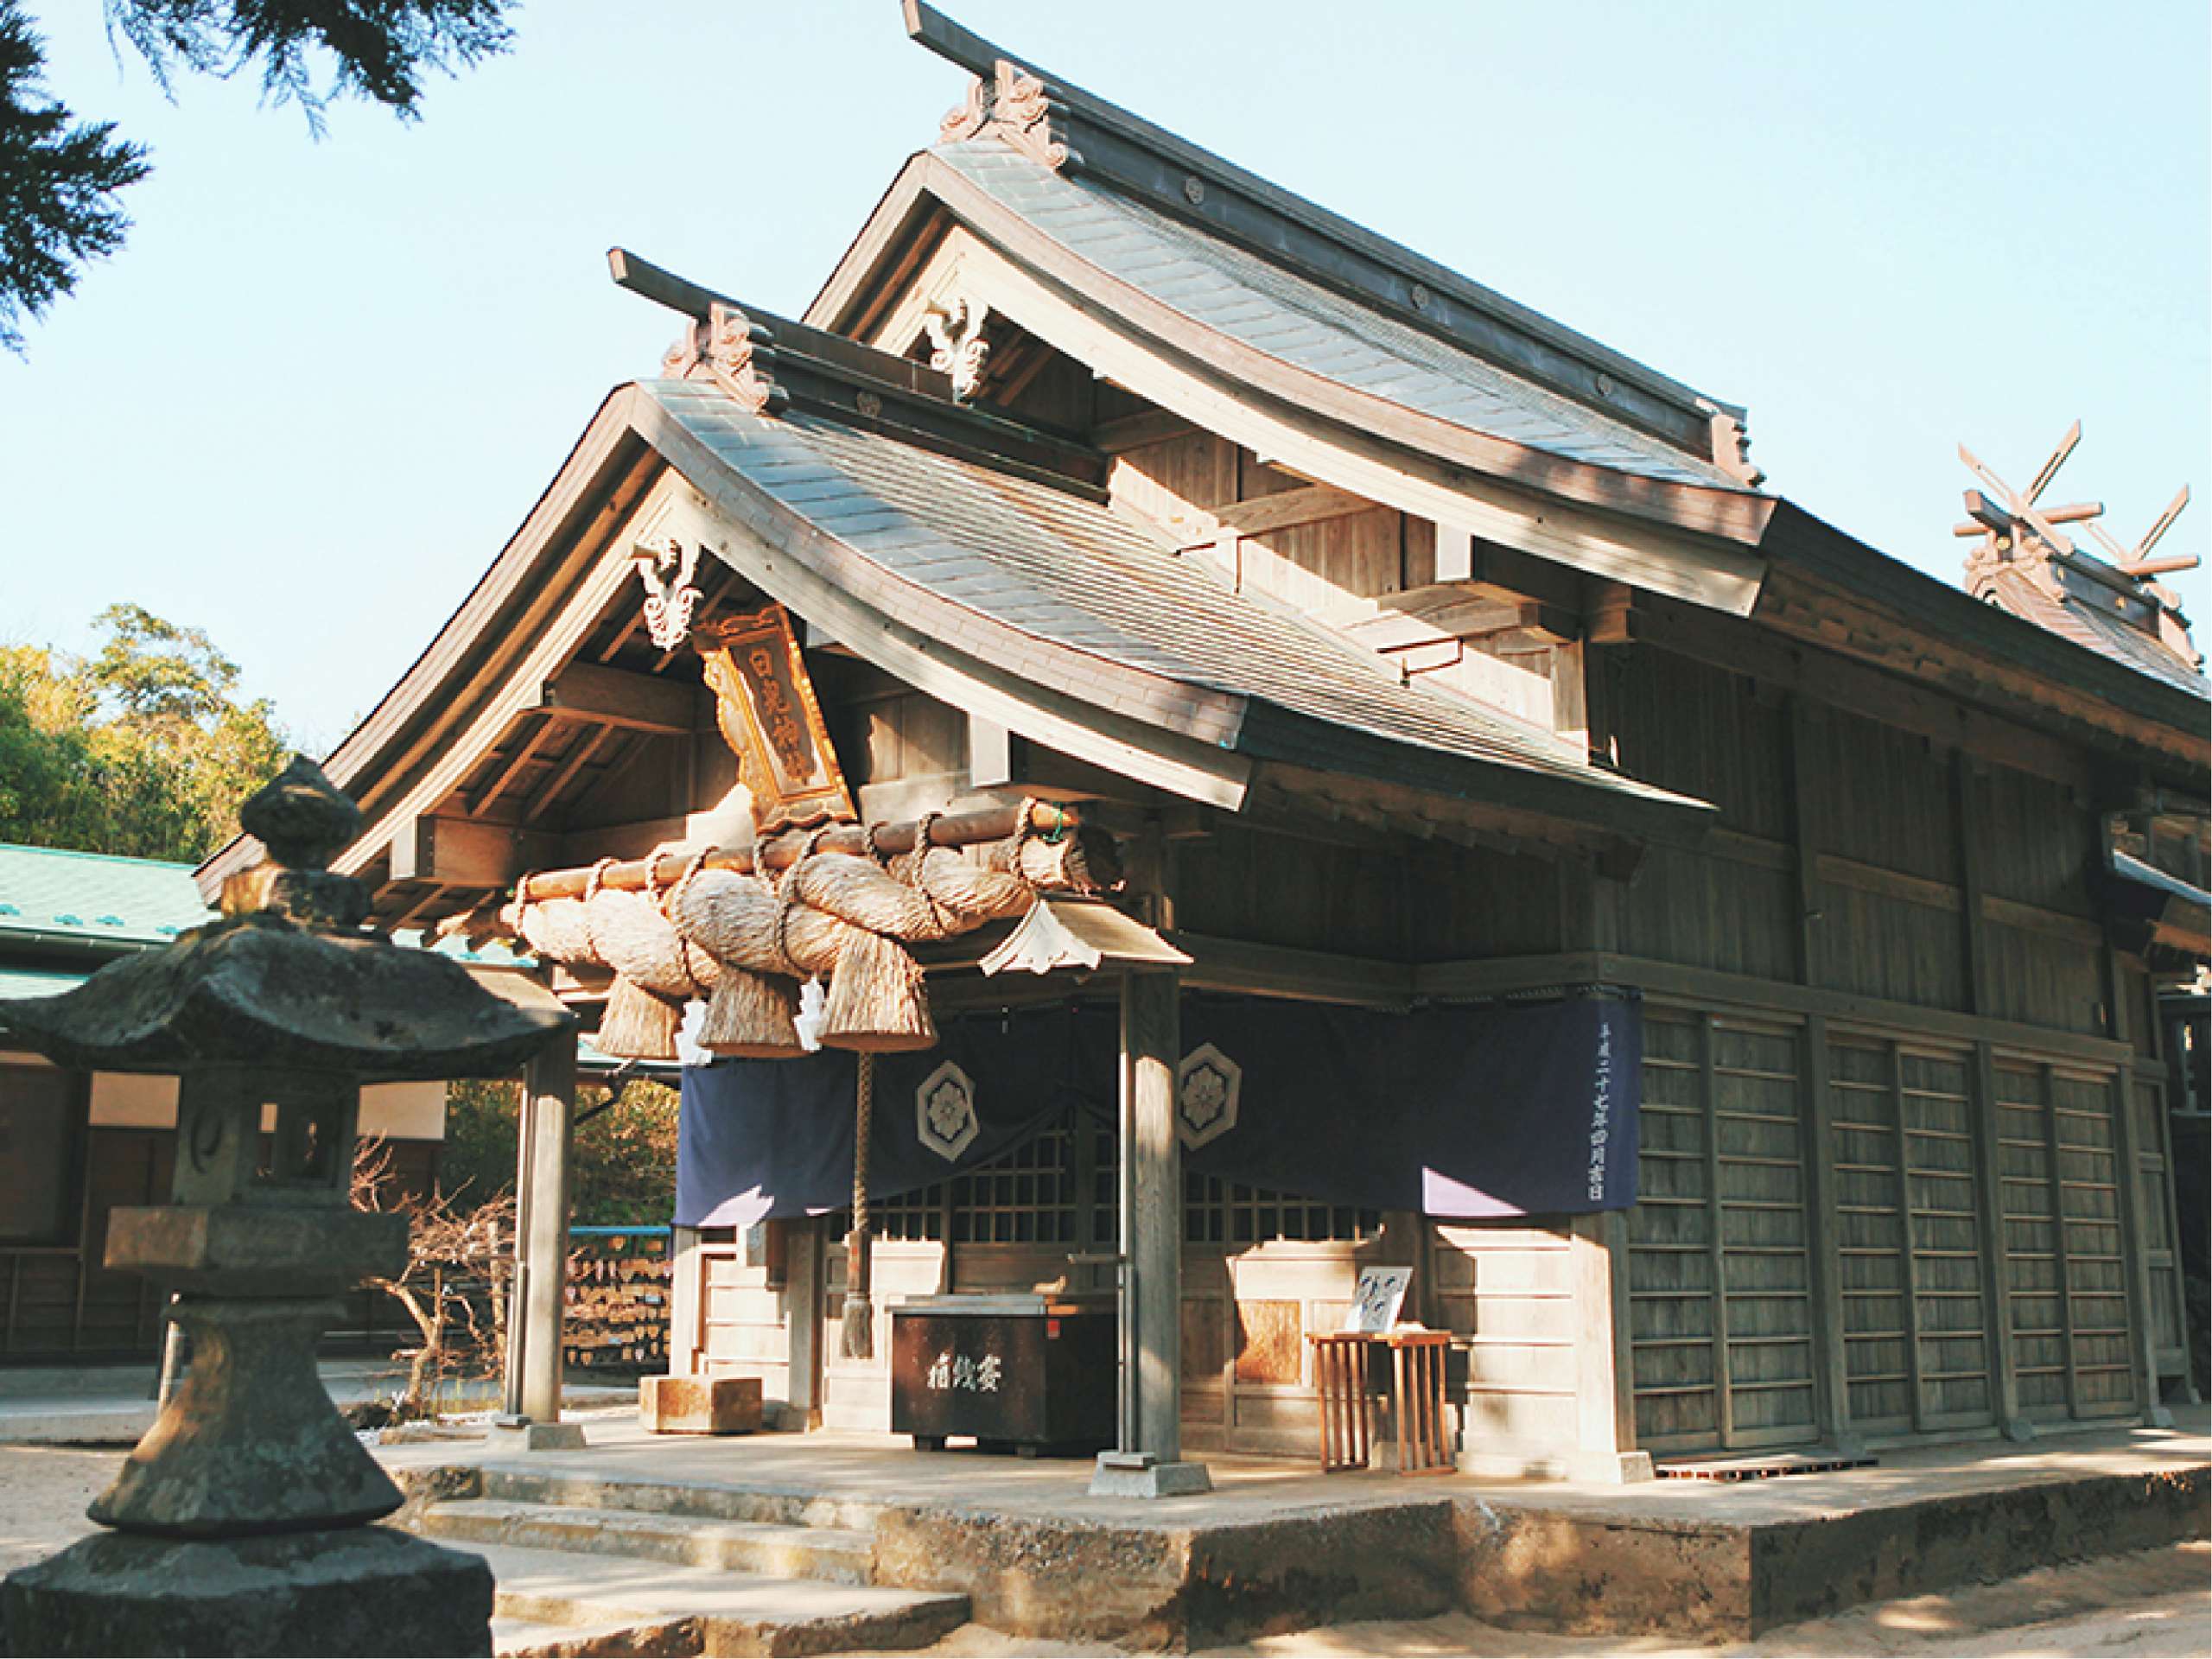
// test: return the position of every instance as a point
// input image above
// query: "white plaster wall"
(126, 1100)
(405, 1111)
(399, 1111)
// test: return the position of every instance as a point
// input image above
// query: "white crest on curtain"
(1207, 1086)
(944, 1112)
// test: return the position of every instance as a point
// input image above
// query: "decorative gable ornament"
(666, 573)
(1207, 1086)
(956, 344)
(733, 352)
(1016, 108)
(944, 1112)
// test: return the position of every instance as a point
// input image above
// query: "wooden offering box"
(1029, 1372)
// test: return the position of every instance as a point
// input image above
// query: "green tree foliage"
(141, 748)
(622, 1173)
(60, 178)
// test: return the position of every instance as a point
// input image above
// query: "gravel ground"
(2155, 1602)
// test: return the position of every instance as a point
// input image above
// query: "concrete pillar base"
(1138, 1474)
(361, 1590)
(2019, 1430)
(523, 1435)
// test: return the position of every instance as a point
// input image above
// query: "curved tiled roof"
(2107, 636)
(1220, 286)
(1059, 568)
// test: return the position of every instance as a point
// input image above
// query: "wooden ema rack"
(1340, 1372)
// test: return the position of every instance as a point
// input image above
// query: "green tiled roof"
(36, 982)
(94, 897)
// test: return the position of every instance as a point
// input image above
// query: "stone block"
(1137, 1474)
(523, 1435)
(362, 1590)
(699, 1405)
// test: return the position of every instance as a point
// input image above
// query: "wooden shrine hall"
(1172, 702)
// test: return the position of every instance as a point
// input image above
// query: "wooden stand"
(1340, 1371)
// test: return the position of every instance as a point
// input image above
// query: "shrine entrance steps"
(814, 1544)
(586, 1566)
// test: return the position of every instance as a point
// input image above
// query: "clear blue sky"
(308, 402)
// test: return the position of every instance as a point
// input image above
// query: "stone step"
(830, 1554)
(553, 1596)
(707, 1500)
(621, 1638)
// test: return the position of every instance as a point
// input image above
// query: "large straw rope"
(741, 940)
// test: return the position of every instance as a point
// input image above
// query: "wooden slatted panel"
(1507, 1291)
(2094, 1254)
(1765, 1273)
(2041, 1343)
(2155, 1199)
(1874, 1265)
(1953, 1318)
(1673, 1323)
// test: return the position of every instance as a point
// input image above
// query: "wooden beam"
(589, 743)
(524, 752)
(611, 696)
(1287, 509)
(1139, 431)
(1711, 988)
(1819, 671)
(463, 853)
(1251, 970)
(2089, 702)
(990, 753)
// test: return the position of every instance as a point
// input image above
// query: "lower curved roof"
(1056, 586)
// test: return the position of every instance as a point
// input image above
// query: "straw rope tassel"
(859, 1334)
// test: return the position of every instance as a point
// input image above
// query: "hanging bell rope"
(858, 1335)
(1090, 855)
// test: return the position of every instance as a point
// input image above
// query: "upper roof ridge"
(1060, 125)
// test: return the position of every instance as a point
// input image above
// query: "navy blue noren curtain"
(1463, 1113)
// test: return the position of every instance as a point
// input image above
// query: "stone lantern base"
(358, 1590)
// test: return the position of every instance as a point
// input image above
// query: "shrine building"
(1427, 803)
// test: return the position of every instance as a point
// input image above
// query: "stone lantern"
(240, 1522)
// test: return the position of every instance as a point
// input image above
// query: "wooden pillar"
(1151, 1048)
(1908, 1245)
(2134, 1226)
(1996, 1251)
(1804, 782)
(803, 1315)
(1149, 1460)
(542, 1229)
(1716, 1243)
(687, 1295)
(1831, 1358)
(2135, 1250)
